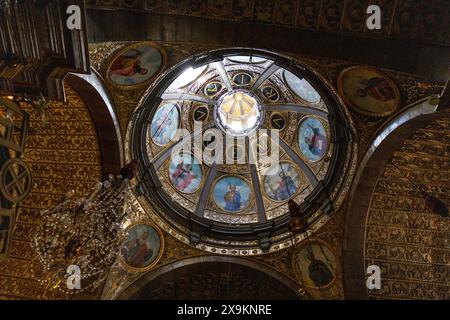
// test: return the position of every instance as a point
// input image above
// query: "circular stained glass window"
(258, 129)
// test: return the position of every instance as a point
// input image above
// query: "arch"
(101, 107)
(386, 141)
(133, 290)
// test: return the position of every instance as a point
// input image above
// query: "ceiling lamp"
(297, 222)
(84, 233)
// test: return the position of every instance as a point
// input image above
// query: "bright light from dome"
(187, 77)
(239, 113)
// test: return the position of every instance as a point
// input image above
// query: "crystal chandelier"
(84, 233)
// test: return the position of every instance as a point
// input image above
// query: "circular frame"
(128, 47)
(198, 106)
(297, 272)
(158, 256)
(297, 146)
(239, 72)
(276, 113)
(250, 200)
(202, 181)
(340, 87)
(271, 87)
(209, 83)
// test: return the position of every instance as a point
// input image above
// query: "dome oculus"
(238, 113)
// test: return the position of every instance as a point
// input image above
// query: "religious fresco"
(142, 246)
(165, 124)
(232, 193)
(282, 182)
(315, 264)
(302, 88)
(312, 139)
(136, 64)
(186, 174)
(368, 91)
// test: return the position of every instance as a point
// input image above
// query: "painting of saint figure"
(165, 124)
(282, 182)
(316, 264)
(368, 91)
(301, 87)
(232, 194)
(136, 65)
(141, 247)
(185, 173)
(312, 139)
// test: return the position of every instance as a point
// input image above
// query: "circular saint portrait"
(282, 182)
(135, 65)
(368, 91)
(185, 173)
(315, 264)
(232, 193)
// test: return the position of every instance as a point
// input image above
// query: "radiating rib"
(295, 108)
(157, 162)
(186, 97)
(258, 196)
(223, 74)
(264, 76)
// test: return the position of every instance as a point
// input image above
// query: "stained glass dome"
(227, 137)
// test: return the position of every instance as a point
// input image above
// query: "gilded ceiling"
(63, 154)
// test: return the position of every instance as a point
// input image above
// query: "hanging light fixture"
(85, 233)
(297, 222)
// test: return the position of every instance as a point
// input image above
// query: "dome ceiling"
(226, 138)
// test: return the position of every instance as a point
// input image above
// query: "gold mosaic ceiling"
(63, 155)
(408, 242)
